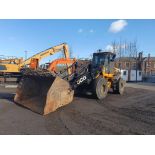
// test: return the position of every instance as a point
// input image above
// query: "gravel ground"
(131, 113)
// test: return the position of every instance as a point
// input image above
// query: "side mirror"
(113, 57)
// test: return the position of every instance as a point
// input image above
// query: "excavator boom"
(50, 51)
(63, 61)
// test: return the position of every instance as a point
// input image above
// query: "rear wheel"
(100, 88)
(118, 87)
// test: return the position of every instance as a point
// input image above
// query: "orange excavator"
(62, 61)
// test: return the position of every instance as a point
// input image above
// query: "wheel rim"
(122, 85)
(103, 89)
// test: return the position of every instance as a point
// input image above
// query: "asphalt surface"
(131, 113)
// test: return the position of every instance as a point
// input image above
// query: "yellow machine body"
(9, 68)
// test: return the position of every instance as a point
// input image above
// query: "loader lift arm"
(82, 74)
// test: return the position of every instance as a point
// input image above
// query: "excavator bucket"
(43, 94)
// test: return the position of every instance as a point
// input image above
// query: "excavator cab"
(34, 64)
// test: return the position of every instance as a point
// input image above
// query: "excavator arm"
(53, 65)
(34, 60)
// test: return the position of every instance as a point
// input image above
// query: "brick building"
(126, 63)
(144, 64)
(149, 66)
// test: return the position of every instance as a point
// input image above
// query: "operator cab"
(103, 59)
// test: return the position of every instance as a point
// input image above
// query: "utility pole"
(25, 55)
(129, 73)
(120, 50)
(135, 51)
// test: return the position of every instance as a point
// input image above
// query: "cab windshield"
(99, 59)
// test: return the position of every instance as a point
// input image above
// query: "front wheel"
(100, 88)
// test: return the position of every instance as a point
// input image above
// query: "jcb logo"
(81, 79)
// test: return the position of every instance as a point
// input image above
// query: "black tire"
(119, 86)
(100, 88)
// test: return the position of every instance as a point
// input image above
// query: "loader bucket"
(43, 94)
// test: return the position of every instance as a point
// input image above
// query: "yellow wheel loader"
(43, 92)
